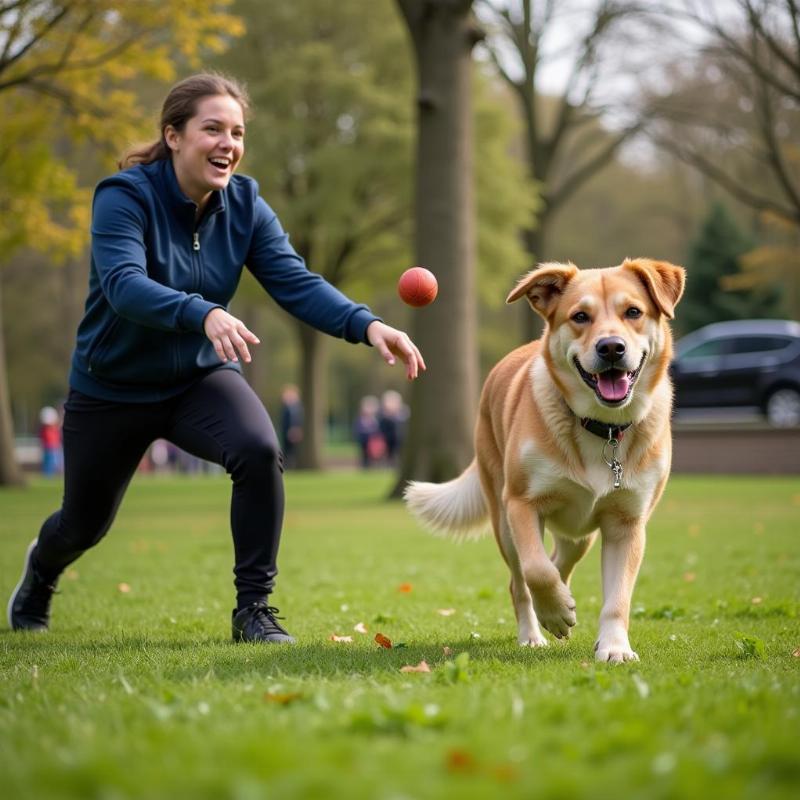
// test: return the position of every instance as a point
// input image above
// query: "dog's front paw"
(533, 640)
(614, 650)
(555, 609)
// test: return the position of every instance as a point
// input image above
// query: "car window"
(713, 347)
(759, 344)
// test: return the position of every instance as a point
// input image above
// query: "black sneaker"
(29, 605)
(258, 623)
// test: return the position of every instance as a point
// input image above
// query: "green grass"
(140, 694)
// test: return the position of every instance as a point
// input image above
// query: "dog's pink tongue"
(613, 385)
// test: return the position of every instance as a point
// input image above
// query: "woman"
(158, 355)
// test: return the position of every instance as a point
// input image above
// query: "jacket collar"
(177, 200)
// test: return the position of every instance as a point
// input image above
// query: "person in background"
(291, 424)
(158, 352)
(50, 441)
(367, 432)
(392, 422)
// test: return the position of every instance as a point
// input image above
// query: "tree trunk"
(444, 400)
(10, 473)
(313, 393)
(532, 323)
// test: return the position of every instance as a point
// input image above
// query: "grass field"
(137, 693)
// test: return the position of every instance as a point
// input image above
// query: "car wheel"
(783, 408)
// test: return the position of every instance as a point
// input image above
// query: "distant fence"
(736, 449)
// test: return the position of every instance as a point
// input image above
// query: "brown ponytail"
(179, 106)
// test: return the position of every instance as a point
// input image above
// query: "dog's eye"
(580, 317)
(633, 313)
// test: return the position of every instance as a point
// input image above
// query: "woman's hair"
(179, 106)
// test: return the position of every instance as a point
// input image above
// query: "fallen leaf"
(282, 698)
(448, 651)
(475, 635)
(796, 653)
(334, 638)
(405, 588)
(689, 577)
(360, 628)
(756, 601)
(445, 612)
(383, 641)
(124, 588)
(421, 667)
(460, 761)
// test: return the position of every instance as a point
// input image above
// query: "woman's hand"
(228, 335)
(390, 342)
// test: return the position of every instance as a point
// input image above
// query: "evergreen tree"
(714, 255)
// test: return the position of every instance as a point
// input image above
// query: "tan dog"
(573, 435)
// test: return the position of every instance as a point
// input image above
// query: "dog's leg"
(623, 549)
(528, 630)
(569, 552)
(552, 600)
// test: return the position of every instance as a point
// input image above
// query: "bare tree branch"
(575, 180)
(773, 149)
(724, 179)
(7, 62)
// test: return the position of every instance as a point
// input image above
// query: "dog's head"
(607, 342)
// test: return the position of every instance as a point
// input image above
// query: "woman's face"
(209, 148)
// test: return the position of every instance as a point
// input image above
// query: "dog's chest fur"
(572, 499)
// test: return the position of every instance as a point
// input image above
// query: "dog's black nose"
(611, 349)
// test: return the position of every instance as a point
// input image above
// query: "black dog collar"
(603, 429)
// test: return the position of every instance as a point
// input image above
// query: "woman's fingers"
(391, 342)
(229, 336)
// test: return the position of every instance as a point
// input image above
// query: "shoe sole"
(19, 584)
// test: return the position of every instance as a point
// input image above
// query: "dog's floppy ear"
(543, 286)
(663, 281)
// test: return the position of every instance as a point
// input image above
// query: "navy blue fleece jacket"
(156, 272)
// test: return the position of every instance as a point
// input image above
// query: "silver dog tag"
(613, 463)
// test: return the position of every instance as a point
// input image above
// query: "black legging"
(219, 419)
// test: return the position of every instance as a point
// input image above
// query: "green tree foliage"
(714, 255)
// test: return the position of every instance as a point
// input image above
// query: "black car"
(742, 363)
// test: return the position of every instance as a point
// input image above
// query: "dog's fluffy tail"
(456, 508)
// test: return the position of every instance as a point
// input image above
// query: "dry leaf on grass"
(448, 651)
(445, 612)
(124, 588)
(405, 588)
(689, 577)
(334, 638)
(360, 628)
(460, 761)
(756, 601)
(421, 667)
(383, 641)
(796, 653)
(282, 698)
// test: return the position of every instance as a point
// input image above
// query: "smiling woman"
(209, 148)
(158, 354)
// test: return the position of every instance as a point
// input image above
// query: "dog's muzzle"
(612, 385)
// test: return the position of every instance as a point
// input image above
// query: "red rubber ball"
(417, 287)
